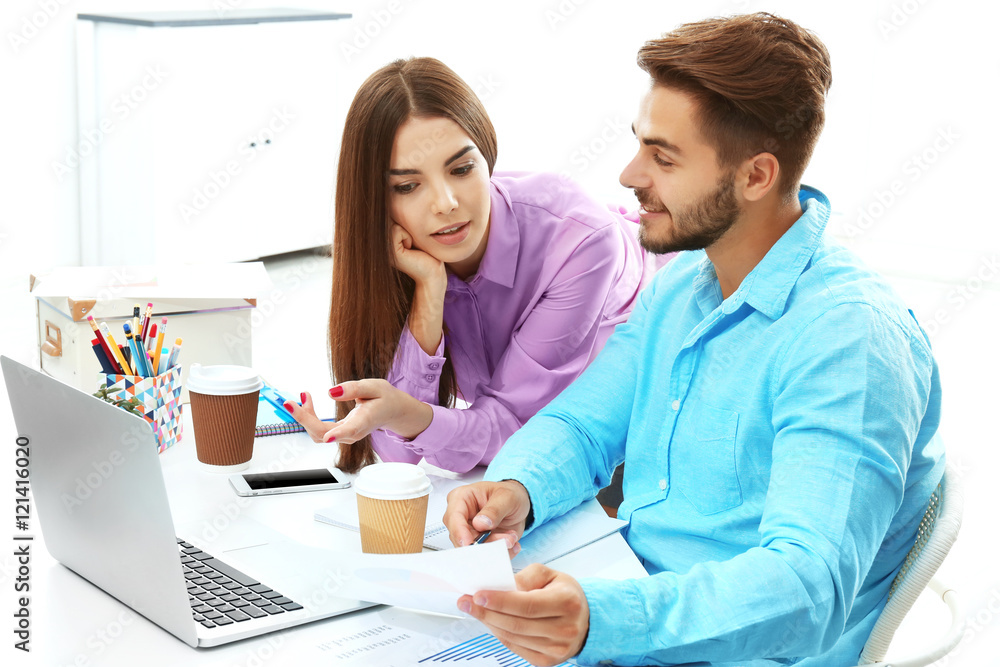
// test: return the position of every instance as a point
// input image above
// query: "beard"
(696, 227)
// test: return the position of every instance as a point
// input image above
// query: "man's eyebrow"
(411, 172)
(662, 143)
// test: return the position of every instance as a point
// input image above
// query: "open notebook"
(579, 527)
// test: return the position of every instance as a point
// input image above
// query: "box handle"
(53, 344)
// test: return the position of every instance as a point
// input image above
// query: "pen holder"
(155, 399)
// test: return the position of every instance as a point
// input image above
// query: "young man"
(775, 403)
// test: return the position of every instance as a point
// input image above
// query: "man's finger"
(462, 506)
(527, 604)
(500, 505)
(528, 638)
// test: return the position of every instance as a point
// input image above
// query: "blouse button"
(434, 366)
(663, 484)
(676, 405)
(430, 378)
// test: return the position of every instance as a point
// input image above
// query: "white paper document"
(431, 581)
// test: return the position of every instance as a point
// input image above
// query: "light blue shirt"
(779, 451)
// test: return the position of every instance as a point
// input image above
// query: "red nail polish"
(330, 439)
(289, 406)
(336, 392)
(302, 398)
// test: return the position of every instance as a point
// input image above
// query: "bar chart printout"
(482, 651)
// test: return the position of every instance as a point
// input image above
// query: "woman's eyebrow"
(459, 154)
(412, 172)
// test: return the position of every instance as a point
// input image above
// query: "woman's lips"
(460, 233)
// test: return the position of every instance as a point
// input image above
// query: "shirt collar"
(767, 286)
(499, 262)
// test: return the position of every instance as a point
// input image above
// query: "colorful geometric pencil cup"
(155, 399)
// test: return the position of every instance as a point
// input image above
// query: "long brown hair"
(371, 299)
(760, 82)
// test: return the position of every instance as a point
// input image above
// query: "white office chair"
(937, 532)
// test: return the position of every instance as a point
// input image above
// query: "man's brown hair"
(760, 83)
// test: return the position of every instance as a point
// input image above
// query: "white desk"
(75, 623)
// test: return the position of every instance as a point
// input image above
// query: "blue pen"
(137, 358)
(482, 538)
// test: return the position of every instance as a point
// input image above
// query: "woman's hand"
(427, 311)
(425, 269)
(379, 405)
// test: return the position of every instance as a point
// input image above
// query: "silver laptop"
(102, 507)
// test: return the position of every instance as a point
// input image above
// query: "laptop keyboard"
(222, 595)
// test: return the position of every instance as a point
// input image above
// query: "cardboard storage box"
(209, 306)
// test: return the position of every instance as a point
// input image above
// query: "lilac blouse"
(559, 272)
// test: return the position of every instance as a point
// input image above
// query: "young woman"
(450, 281)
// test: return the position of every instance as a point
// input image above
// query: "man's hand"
(501, 507)
(377, 405)
(545, 621)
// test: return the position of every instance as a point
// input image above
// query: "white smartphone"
(291, 481)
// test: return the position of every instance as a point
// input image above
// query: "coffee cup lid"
(222, 380)
(392, 481)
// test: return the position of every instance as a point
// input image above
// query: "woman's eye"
(404, 188)
(463, 170)
(660, 161)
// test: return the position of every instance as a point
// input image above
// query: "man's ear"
(757, 176)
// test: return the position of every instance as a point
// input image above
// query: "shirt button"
(676, 405)
(663, 484)
(430, 378)
(434, 366)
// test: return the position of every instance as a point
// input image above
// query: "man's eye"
(660, 161)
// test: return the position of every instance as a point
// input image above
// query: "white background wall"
(559, 79)
(914, 80)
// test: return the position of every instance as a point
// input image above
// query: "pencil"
(145, 324)
(172, 361)
(126, 368)
(159, 345)
(104, 345)
(137, 352)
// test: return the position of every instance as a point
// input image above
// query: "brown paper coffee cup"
(392, 508)
(392, 526)
(224, 427)
(224, 415)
